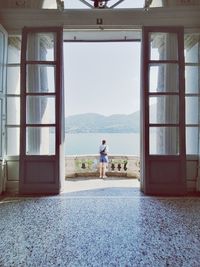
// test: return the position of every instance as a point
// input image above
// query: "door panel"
(41, 137)
(163, 126)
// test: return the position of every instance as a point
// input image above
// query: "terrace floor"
(100, 223)
(93, 186)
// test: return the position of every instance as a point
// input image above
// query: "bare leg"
(100, 169)
(104, 169)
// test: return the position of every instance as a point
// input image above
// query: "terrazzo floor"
(111, 224)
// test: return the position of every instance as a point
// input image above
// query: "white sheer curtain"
(167, 106)
(37, 82)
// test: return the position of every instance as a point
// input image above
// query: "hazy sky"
(102, 77)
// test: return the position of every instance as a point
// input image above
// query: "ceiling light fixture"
(147, 4)
(60, 5)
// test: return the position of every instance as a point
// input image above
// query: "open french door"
(42, 128)
(163, 111)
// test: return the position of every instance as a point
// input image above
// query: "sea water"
(88, 143)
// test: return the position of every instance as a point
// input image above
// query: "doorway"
(102, 101)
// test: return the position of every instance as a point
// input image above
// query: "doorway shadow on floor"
(109, 187)
(106, 192)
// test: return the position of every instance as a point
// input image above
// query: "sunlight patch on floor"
(81, 184)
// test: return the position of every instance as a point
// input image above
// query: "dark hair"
(103, 142)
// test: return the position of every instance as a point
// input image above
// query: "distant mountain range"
(97, 123)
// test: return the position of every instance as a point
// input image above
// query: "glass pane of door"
(40, 78)
(40, 140)
(2, 51)
(41, 46)
(40, 110)
(164, 141)
(163, 46)
(41, 93)
(164, 109)
(163, 77)
(192, 79)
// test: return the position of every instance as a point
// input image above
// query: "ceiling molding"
(15, 19)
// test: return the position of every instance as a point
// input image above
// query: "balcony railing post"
(88, 165)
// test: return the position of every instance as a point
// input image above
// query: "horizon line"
(86, 113)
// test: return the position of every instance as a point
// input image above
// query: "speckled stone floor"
(108, 226)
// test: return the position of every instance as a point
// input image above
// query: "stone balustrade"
(88, 165)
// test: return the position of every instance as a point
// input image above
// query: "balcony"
(88, 165)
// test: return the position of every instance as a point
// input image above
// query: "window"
(163, 93)
(13, 96)
(192, 91)
(40, 100)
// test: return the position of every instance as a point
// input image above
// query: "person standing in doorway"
(103, 150)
